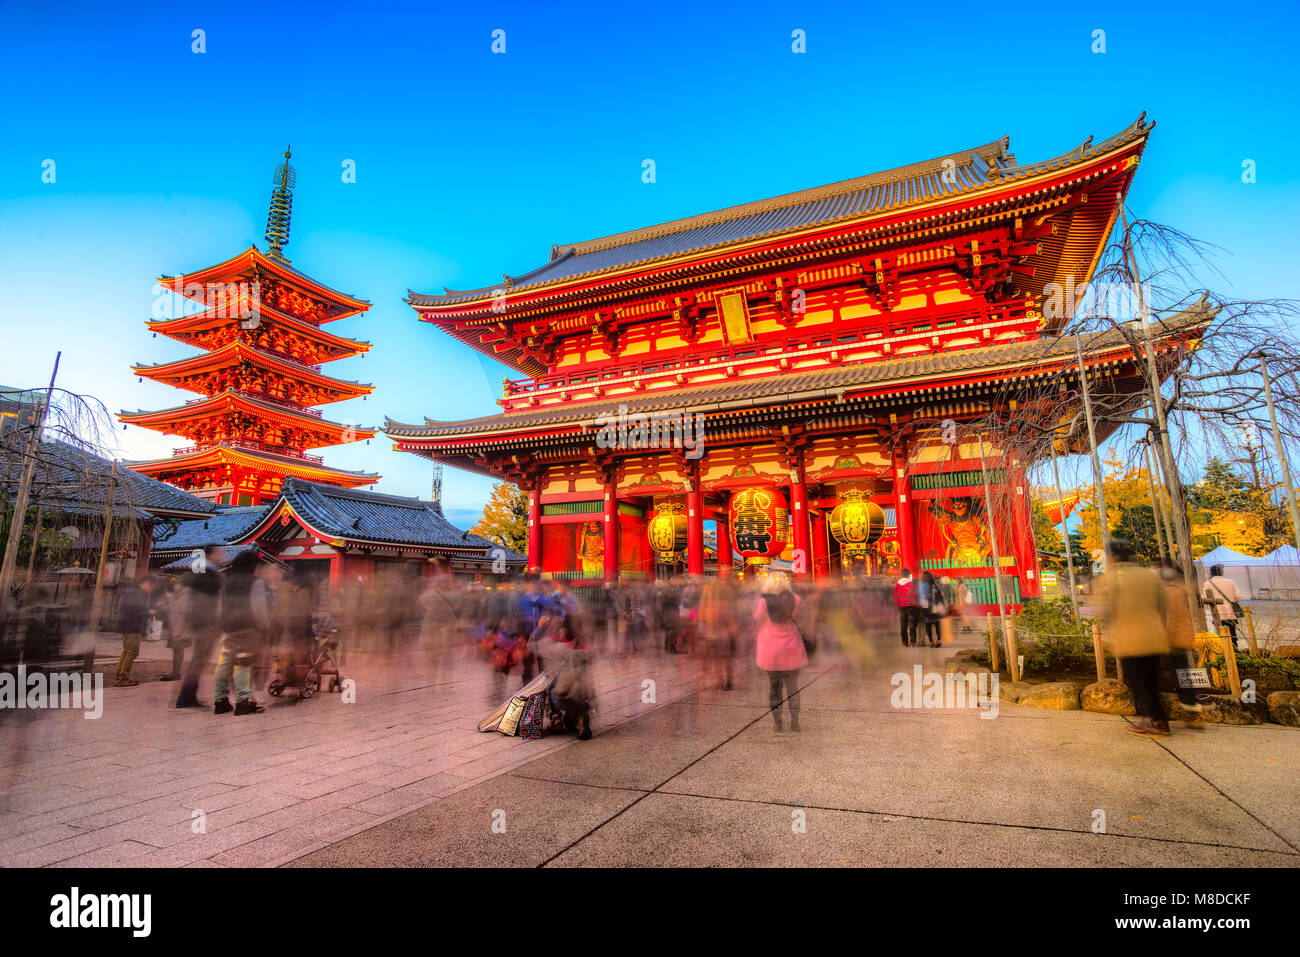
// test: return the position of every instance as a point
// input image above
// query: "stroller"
(303, 667)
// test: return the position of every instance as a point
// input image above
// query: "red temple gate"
(880, 340)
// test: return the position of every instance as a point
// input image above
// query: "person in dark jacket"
(245, 620)
(569, 663)
(132, 618)
(203, 616)
(165, 608)
(935, 608)
(909, 610)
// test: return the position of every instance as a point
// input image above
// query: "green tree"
(1137, 526)
(1079, 553)
(505, 517)
(1220, 490)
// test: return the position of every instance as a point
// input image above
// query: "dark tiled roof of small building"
(945, 176)
(78, 481)
(376, 517)
(347, 514)
(223, 526)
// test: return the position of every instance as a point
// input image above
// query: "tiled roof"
(958, 173)
(347, 514)
(375, 517)
(232, 353)
(159, 496)
(763, 390)
(220, 528)
(78, 481)
(229, 398)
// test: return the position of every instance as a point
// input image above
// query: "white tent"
(1279, 576)
(1286, 555)
(1274, 576)
(1225, 556)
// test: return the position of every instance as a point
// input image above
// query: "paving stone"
(282, 843)
(279, 785)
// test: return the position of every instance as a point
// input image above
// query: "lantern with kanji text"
(856, 522)
(667, 533)
(760, 522)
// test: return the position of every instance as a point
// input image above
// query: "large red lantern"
(760, 522)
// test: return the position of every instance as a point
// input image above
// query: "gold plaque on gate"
(733, 310)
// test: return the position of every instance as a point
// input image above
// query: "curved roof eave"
(885, 191)
(281, 266)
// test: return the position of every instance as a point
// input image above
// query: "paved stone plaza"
(698, 777)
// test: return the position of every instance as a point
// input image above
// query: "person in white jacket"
(1225, 594)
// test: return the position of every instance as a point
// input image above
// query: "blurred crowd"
(259, 631)
(536, 624)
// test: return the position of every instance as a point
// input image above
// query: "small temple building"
(330, 536)
(261, 329)
(800, 375)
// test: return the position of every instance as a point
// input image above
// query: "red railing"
(252, 445)
(687, 362)
(291, 406)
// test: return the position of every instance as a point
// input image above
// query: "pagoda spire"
(277, 220)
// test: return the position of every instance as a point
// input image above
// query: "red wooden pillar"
(821, 559)
(534, 530)
(695, 530)
(611, 532)
(1022, 535)
(799, 519)
(723, 525)
(336, 571)
(905, 516)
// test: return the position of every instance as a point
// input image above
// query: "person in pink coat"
(779, 646)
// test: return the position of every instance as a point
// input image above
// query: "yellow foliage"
(505, 517)
(1124, 488)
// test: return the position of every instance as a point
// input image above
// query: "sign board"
(1193, 678)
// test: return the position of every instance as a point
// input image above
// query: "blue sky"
(471, 164)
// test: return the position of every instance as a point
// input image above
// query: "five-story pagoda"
(261, 329)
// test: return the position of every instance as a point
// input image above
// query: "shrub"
(1262, 665)
(1049, 637)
